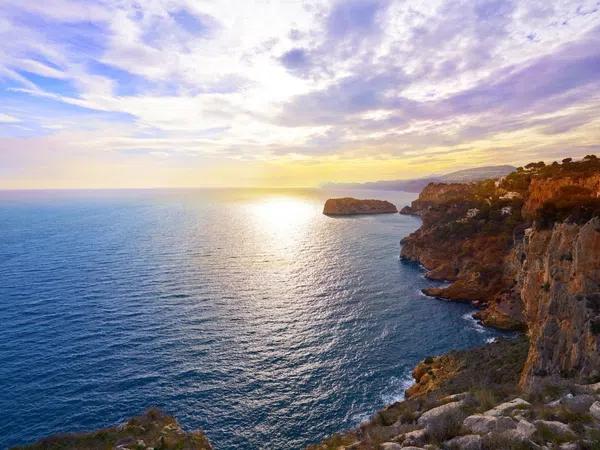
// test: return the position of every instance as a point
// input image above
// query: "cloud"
(354, 19)
(318, 78)
(6, 118)
(296, 60)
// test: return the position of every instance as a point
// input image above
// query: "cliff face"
(526, 250)
(559, 283)
(548, 189)
(466, 236)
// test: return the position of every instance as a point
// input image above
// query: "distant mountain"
(477, 174)
(417, 184)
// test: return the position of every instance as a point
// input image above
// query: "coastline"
(541, 388)
(405, 379)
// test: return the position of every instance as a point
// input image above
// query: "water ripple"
(253, 317)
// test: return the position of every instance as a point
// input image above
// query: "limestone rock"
(558, 283)
(415, 438)
(504, 408)
(481, 424)
(595, 410)
(578, 404)
(569, 446)
(391, 446)
(351, 206)
(555, 427)
(525, 430)
(468, 442)
(433, 417)
(144, 431)
(466, 396)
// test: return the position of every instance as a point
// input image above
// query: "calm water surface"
(248, 314)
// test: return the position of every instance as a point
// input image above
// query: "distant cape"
(417, 184)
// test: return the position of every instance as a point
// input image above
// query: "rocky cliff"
(526, 250)
(543, 190)
(351, 206)
(467, 234)
(470, 400)
(558, 282)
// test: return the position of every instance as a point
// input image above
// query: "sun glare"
(283, 219)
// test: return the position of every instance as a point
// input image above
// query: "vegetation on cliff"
(471, 400)
(470, 230)
(152, 430)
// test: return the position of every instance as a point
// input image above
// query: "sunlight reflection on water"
(248, 314)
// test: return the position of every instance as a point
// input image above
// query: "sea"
(245, 313)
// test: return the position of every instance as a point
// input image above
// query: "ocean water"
(248, 314)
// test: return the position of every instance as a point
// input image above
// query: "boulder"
(525, 430)
(557, 428)
(440, 415)
(504, 408)
(579, 404)
(569, 446)
(595, 410)
(587, 388)
(466, 396)
(468, 442)
(415, 438)
(391, 446)
(481, 424)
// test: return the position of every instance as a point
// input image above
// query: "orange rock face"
(528, 261)
(351, 206)
(548, 189)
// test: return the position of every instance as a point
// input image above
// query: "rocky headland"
(348, 206)
(525, 250)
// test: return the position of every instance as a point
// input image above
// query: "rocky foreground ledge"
(470, 400)
(154, 430)
(351, 206)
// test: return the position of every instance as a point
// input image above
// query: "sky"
(182, 93)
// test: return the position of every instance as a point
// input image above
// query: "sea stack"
(351, 206)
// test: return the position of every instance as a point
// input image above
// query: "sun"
(283, 221)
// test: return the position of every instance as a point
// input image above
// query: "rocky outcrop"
(351, 206)
(543, 190)
(496, 364)
(559, 283)
(435, 194)
(152, 430)
(482, 411)
(526, 250)
(473, 235)
(466, 237)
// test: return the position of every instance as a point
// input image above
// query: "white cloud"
(6, 118)
(174, 83)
